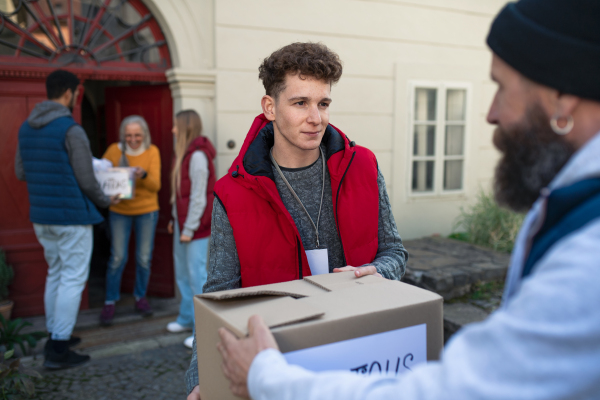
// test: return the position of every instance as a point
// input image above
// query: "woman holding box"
(192, 182)
(140, 212)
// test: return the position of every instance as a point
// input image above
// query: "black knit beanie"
(552, 42)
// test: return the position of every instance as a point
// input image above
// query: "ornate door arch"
(99, 39)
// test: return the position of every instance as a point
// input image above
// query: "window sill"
(444, 196)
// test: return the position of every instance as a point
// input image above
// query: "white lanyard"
(316, 227)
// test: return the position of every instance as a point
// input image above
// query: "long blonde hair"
(189, 127)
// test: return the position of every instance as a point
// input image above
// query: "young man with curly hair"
(301, 198)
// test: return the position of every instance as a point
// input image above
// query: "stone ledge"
(449, 267)
(457, 315)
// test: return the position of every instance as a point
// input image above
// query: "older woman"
(141, 212)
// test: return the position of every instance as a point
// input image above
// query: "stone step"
(450, 267)
(457, 315)
(127, 326)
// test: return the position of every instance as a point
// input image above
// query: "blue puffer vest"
(54, 195)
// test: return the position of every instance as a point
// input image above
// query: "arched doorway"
(119, 52)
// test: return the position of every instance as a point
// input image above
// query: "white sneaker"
(189, 342)
(174, 327)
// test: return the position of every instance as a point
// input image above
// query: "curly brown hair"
(306, 59)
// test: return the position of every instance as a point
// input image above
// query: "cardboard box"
(118, 180)
(325, 322)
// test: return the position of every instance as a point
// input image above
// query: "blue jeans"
(67, 250)
(190, 273)
(120, 231)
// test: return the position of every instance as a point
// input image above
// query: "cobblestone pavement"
(153, 374)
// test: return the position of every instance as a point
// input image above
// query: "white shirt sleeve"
(199, 179)
(543, 344)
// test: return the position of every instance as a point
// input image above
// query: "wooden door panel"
(153, 102)
(14, 210)
(17, 238)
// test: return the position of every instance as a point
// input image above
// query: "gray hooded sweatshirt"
(78, 149)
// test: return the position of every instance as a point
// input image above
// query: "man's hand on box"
(238, 354)
(360, 271)
(194, 394)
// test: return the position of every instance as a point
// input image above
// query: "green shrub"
(487, 224)
(16, 381)
(11, 336)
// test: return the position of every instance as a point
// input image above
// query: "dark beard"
(532, 155)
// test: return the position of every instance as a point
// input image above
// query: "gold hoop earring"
(562, 131)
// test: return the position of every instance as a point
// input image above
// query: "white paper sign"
(393, 352)
(116, 181)
(318, 261)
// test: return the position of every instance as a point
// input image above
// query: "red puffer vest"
(268, 243)
(183, 197)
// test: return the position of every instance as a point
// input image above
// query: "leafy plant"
(10, 336)
(487, 224)
(15, 380)
(6, 276)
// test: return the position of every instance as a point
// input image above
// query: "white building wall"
(384, 45)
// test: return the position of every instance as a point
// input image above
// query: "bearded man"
(544, 342)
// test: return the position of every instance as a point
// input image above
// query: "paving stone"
(440, 262)
(456, 315)
(419, 264)
(475, 274)
(416, 252)
(491, 272)
(152, 374)
(449, 267)
(438, 281)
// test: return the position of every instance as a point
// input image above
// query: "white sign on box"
(393, 352)
(115, 181)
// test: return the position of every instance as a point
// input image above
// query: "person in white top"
(544, 341)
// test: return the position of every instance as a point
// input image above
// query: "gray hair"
(133, 119)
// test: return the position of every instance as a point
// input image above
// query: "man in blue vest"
(54, 158)
(544, 341)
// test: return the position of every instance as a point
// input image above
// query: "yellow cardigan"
(146, 190)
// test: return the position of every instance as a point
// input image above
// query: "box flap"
(276, 311)
(341, 280)
(367, 299)
(296, 289)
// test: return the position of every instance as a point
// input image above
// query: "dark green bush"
(487, 224)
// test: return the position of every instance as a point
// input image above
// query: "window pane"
(454, 140)
(422, 176)
(425, 103)
(453, 175)
(424, 140)
(455, 104)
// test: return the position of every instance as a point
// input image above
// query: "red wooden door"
(17, 238)
(154, 103)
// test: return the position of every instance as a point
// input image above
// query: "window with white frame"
(438, 124)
